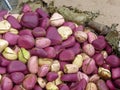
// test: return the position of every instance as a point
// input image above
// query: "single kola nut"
(55, 67)
(80, 36)
(91, 86)
(41, 82)
(104, 73)
(4, 26)
(51, 86)
(65, 32)
(3, 44)
(23, 55)
(45, 61)
(56, 19)
(71, 68)
(78, 60)
(9, 54)
(94, 78)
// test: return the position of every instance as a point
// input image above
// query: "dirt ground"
(109, 9)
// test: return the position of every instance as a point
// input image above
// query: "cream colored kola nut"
(45, 61)
(14, 31)
(80, 36)
(4, 26)
(3, 44)
(71, 68)
(0, 77)
(104, 73)
(91, 86)
(55, 67)
(9, 54)
(78, 60)
(41, 82)
(51, 86)
(57, 19)
(65, 32)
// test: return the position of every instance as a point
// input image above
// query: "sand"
(109, 9)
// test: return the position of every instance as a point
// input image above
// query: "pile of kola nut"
(43, 52)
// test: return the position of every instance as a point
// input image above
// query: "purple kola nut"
(6, 83)
(110, 85)
(38, 32)
(42, 13)
(117, 83)
(89, 49)
(88, 66)
(113, 61)
(44, 22)
(29, 81)
(11, 38)
(54, 36)
(66, 55)
(99, 44)
(51, 76)
(30, 20)
(69, 77)
(2, 70)
(26, 8)
(102, 85)
(43, 70)
(76, 48)
(82, 76)
(25, 32)
(70, 24)
(81, 85)
(17, 77)
(37, 87)
(109, 49)
(14, 22)
(16, 66)
(26, 41)
(4, 62)
(115, 73)
(38, 52)
(3, 13)
(99, 59)
(63, 87)
(42, 42)
(69, 42)
(51, 53)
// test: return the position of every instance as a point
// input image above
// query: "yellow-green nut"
(9, 54)
(3, 44)
(14, 31)
(51, 86)
(104, 73)
(65, 32)
(23, 55)
(78, 60)
(4, 26)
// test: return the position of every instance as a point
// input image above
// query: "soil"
(109, 9)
